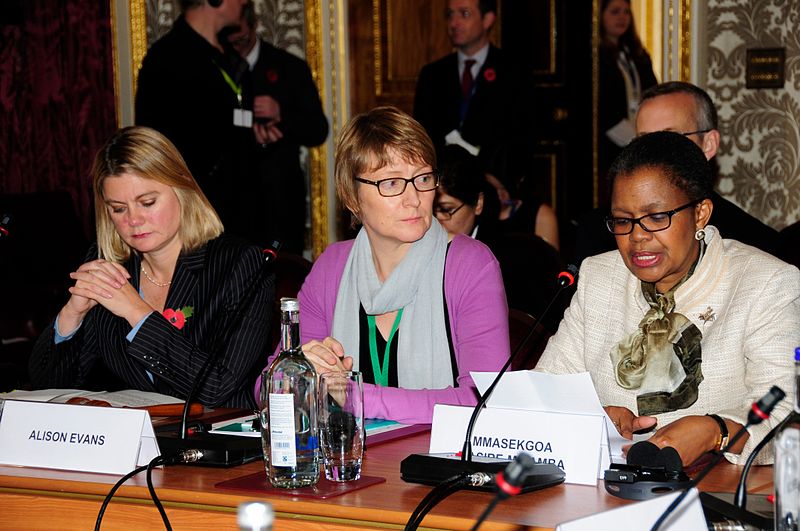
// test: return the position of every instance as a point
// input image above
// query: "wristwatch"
(722, 439)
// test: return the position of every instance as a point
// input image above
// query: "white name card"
(71, 437)
(641, 516)
(571, 442)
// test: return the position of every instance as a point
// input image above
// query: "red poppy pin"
(489, 75)
(178, 317)
(272, 76)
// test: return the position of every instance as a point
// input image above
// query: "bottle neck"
(290, 330)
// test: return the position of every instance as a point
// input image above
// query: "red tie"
(466, 80)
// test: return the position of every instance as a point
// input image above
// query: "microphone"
(5, 223)
(216, 449)
(759, 412)
(431, 469)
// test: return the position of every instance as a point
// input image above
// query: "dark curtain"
(56, 96)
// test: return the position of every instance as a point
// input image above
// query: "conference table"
(32, 498)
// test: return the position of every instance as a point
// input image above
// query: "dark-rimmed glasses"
(446, 213)
(424, 182)
(651, 222)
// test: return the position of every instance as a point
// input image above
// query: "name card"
(572, 442)
(641, 516)
(70, 437)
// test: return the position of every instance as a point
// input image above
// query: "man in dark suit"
(288, 114)
(689, 110)
(193, 88)
(471, 97)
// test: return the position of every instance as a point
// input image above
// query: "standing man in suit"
(472, 97)
(687, 109)
(194, 88)
(288, 114)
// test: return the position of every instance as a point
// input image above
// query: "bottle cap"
(797, 354)
(255, 515)
(289, 304)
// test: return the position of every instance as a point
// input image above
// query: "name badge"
(571, 442)
(70, 437)
(242, 118)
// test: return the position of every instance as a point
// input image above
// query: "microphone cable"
(188, 456)
(509, 483)
(442, 491)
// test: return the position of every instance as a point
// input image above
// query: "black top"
(230, 293)
(364, 358)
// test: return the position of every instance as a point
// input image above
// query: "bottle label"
(281, 430)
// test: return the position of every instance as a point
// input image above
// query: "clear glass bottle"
(255, 516)
(787, 464)
(289, 409)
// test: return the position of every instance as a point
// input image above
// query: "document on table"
(555, 393)
(126, 398)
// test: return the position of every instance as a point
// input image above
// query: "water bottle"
(289, 409)
(787, 464)
(255, 516)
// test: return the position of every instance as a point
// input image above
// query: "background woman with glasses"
(414, 313)
(681, 329)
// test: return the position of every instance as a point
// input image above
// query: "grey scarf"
(423, 353)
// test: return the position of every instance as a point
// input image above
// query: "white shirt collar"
(252, 57)
(479, 57)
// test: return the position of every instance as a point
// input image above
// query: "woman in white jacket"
(680, 329)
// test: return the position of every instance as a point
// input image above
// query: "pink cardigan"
(478, 313)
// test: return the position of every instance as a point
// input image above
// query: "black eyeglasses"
(446, 213)
(700, 132)
(424, 182)
(651, 222)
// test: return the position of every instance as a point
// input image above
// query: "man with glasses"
(687, 109)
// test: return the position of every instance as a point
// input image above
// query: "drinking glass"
(341, 424)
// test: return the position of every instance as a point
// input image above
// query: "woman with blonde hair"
(413, 313)
(164, 295)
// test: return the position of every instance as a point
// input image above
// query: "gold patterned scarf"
(662, 359)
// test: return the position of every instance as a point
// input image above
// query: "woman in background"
(625, 72)
(413, 311)
(165, 299)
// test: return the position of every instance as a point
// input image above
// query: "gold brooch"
(708, 316)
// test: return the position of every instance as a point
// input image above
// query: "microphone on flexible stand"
(736, 509)
(5, 223)
(758, 413)
(432, 469)
(217, 449)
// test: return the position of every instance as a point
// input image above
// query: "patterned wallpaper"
(280, 22)
(760, 153)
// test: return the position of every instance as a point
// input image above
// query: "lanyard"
(237, 89)
(381, 370)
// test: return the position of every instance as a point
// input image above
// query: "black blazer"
(231, 296)
(498, 114)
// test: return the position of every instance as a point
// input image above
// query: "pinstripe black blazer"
(231, 296)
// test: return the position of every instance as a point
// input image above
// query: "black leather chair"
(519, 325)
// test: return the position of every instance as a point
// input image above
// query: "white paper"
(570, 442)
(126, 398)
(70, 437)
(641, 516)
(557, 393)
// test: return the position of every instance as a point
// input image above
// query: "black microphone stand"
(760, 412)
(219, 450)
(430, 469)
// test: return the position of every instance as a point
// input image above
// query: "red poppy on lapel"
(272, 75)
(489, 75)
(177, 318)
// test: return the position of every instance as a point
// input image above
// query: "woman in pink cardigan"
(413, 311)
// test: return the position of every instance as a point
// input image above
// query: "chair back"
(519, 325)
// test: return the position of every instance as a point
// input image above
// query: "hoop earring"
(700, 235)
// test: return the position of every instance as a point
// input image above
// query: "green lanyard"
(381, 370)
(237, 89)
